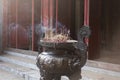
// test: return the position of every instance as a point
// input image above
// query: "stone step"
(32, 55)
(24, 55)
(4, 75)
(20, 70)
(103, 65)
(27, 52)
(24, 72)
(91, 73)
(18, 60)
(88, 73)
(21, 64)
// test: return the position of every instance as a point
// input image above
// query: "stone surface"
(99, 74)
(29, 56)
(13, 70)
(26, 62)
(103, 65)
(4, 75)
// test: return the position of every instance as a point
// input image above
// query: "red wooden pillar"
(86, 15)
(45, 13)
(86, 12)
(47, 10)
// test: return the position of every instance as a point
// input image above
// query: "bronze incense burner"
(65, 58)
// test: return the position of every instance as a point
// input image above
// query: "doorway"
(110, 36)
(105, 23)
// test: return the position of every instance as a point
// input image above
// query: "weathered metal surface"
(57, 59)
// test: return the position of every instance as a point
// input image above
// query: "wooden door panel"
(22, 36)
(23, 18)
(95, 24)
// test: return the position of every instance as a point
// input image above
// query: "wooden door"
(95, 25)
(18, 22)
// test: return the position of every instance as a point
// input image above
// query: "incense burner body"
(58, 59)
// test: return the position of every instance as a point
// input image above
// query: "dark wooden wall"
(66, 15)
(95, 25)
(110, 21)
(20, 14)
(104, 23)
(23, 18)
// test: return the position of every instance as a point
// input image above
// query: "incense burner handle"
(81, 47)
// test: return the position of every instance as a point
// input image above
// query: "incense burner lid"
(69, 44)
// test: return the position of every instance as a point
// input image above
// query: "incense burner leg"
(75, 76)
(48, 76)
(56, 77)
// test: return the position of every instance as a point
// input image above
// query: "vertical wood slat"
(48, 12)
(86, 12)
(51, 13)
(16, 23)
(41, 11)
(56, 15)
(32, 25)
(95, 25)
(86, 15)
(4, 17)
(86, 18)
(5, 26)
(45, 13)
(1, 23)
